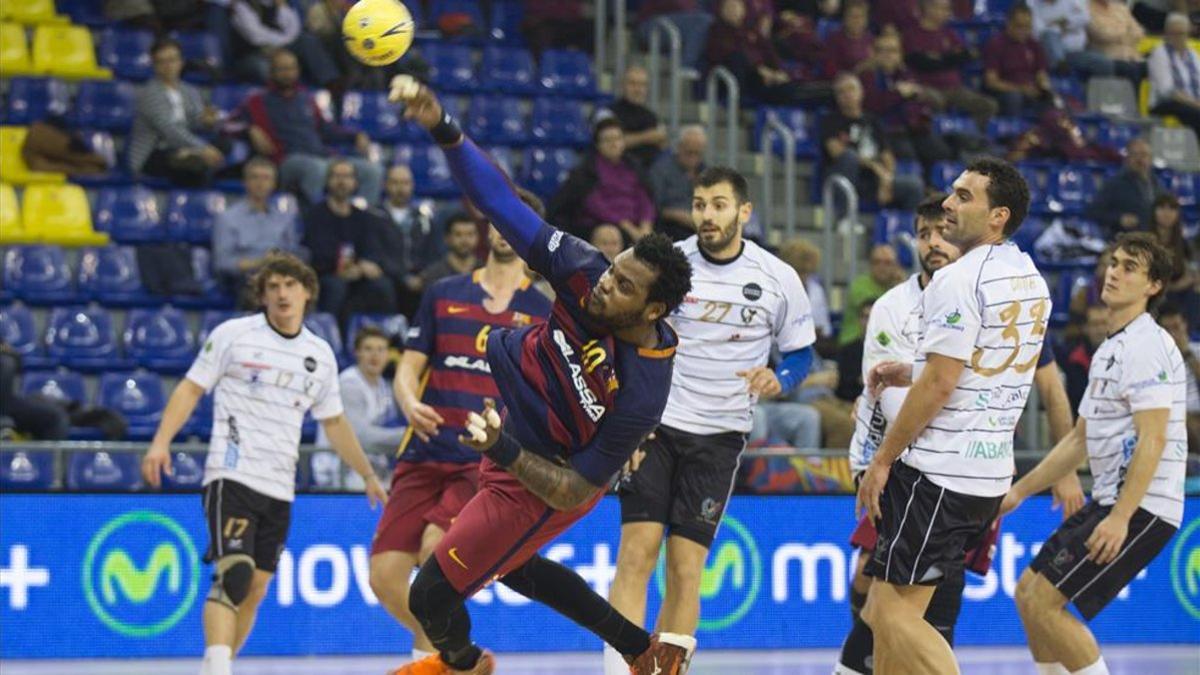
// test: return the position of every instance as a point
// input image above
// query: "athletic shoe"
(434, 665)
(669, 654)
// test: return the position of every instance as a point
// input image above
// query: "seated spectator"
(884, 273)
(557, 24)
(169, 114)
(1173, 320)
(421, 244)
(247, 231)
(1115, 34)
(897, 16)
(796, 40)
(36, 416)
(837, 409)
(608, 239)
(645, 136)
(856, 147)
(1184, 281)
(1076, 356)
(805, 258)
(1058, 136)
(734, 42)
(686, 15)
(791, 423)
(1175, 75)
(1061, 27)
(851, 46)
(937, 55)
(461, 241)
(260, 26)
(354, 251)
(903, 106)
(671, 181)
(156, 15)
(1126, 201)
(287, 125)
(1015, 66)
(604, 187)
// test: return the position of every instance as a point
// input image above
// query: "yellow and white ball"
(378, 32)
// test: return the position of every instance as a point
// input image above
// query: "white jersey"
(1137, 368)
(988, 310)
(264, 383)
(736, 310)
(891, 335)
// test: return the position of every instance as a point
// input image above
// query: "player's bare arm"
(926, 398)
(761, 381)
(889, 374)
(345, 443)
(1109, 535)
(1067, 492)
(1066, 456)
(422, 418)
(179, 408)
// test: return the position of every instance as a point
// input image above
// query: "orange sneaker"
(434, 665)
(669, 654)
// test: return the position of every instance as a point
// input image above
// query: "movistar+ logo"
(732, 577)
(1185, 568)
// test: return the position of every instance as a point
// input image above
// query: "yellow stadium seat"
(66, 51)
(12, 166)
(60, 214)
(12, 231)
(33, 12)
(14, 51)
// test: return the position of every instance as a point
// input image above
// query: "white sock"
(1051, 669)
(217, 660)
(614, 663)
(418, 654)
(1097, 668)
(688, 642)
(839, 669)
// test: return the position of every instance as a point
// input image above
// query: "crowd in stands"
(291, 133)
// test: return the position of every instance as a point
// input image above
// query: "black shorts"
(684, 482)
(1063, 559)
(242, 520)
(926, 530)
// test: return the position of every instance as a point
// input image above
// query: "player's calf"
(233, 578)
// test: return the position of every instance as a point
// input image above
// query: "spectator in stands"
(261, 26)
(851, 46)
(1174, 321)
(557, 24)
(604, 187)
(1115, 34)
(837, 409)
(645, 135)
(1061, 26)
(1152, 14)
(1126, 201)
(1175, 74)
(1015, 68)
(246, 232)
(805, 258)
(421, 243)
(169, 115)
(796, 39)
(790, 423)
(903, 106)
(856, 147)
(41, 418)
(461, 241)
(884, 273)
(608, 239)
(352, 250)
(671, 180)
(937, 54)
(1184, 281)
(1058, 136)
(896, 15)
(287, 125)
(686, 15)
(1076, 358)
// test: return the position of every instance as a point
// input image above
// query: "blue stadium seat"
(38, 275)
(1185, 186)
(497, 120)
(371, 113)
(508, 70)
(212, 294)
(567, 72)
(82, 338)
(1061, 292)
(1117, 135)
(445, 8)
(115, 471)
(227, 96)
(104, 105)
(503, 157)
(431, 172)
(324, 325)
(505, 24)
(802, 123)
(18, 330)
(191, 214)
(560, 121)
(128, 214)
(26, 470)
(451, 68)
(394, 325)
(889, 225)
(159, 339)
(86, 12)
(103, 144)
(1071, 190)
(138, 397)
(1001, 128)
(127, 53)
(202, 56)
(942, 174)
(308, 434)
(1071, 89)
(1026, 235)
(66, 386)
(110, 275)
(187, 472)
(210, 320)
(200, 423)
(32, 98)
(947, 124)
(546, 168)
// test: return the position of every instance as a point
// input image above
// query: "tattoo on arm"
(561, 487)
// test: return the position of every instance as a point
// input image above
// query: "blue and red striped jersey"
(451, 327)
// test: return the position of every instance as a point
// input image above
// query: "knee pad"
(231, 580)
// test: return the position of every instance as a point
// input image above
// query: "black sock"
(946, 603)
(859, 647)
(567, 593)
(440, 609)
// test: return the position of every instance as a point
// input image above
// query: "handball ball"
(378, 32)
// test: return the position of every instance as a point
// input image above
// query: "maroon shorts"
(979, 558)
(500, 529)
(422, 494)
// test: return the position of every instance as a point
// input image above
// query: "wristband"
(505, 451)
(446, 132)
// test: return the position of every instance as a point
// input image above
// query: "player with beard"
(891, 335)
(743, 302)
(444, 375)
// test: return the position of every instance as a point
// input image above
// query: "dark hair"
(1167, 199)
(1006, 189)
(285, 264)
(336, 162)
(259, 162)
(1017, 8)
(1159, 262)
(931, 207)
(674, 279)
(456, 218)
(604, 125)
(715, 175)
(164, 43)
(855, 4)
(367, 332)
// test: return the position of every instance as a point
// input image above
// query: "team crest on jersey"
(752, 291)
(883, 339)
(310, 364)
(748, 314)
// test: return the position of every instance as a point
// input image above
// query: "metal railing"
(774, 127)
(660, 26)
(716, 76)
(847, 226)
(620, 36)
